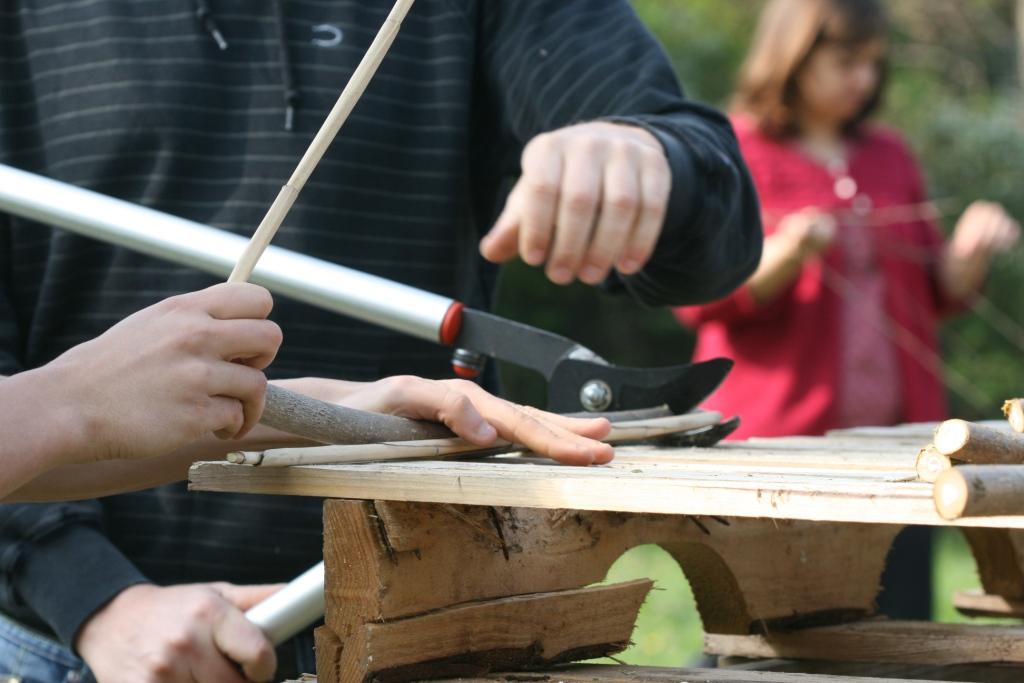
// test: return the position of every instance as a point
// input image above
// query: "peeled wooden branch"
(979, 444)
(330, 423)
(1013, 409)
(389, 449)
(980, 491)
(930, 464)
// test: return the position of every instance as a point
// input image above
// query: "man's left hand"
(591, 197)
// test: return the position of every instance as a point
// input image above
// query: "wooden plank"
(882, 641)
(977, 673)
(657, 490)
(916, 430)
(601, 673)
(388, 560)
(506, 634)
(756, 456)
(909, 444)
(598, 673)
(328, 648)
(999, 555)
(976, 603)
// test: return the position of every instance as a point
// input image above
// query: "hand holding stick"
(288, 414)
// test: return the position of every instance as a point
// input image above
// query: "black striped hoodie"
(136, 99)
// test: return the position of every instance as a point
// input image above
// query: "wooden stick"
(439, 448)
(335, 120)
(976, 603)
(930, 464)
(1014, 412)
(980, 491)
(979, 444)
(330, 423)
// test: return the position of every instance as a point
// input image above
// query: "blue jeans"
(27, 657)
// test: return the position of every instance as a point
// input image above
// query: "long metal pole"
(313, 281)
(293, 608)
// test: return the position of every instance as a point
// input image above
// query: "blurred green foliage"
(954, 91)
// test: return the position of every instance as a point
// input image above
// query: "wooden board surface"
(759, 482)
(865, 475)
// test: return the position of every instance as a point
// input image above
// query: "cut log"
(980, 491)
(1014, 412)
(388, 560)
(907, 642)
(979, 444)
(978, 604)
(514, 633)
(930, 464)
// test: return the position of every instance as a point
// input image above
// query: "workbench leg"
(999, 555)
(393, 567)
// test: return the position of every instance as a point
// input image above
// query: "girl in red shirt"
(838, 326)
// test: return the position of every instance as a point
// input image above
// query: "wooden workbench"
(461, 567)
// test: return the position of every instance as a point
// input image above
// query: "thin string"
(904, 338)
(998, 320)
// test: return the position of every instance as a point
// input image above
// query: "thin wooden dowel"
(441, 448)
(328, 131)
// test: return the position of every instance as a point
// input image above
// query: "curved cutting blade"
(681, 387)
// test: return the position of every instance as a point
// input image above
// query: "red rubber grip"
(464, 372)
(451, 325)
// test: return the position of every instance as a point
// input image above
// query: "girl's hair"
(788, 33)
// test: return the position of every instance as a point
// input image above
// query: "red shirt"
(789, 352)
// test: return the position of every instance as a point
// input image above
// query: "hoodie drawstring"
(205, 19)
(289, 92)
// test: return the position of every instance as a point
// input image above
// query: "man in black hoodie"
(202, 110)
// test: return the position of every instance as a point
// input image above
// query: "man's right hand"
(193, 633)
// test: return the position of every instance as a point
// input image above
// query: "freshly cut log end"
(952, 436)
(980, 491)
(244, 458)
(979, 444)
(930, 464)
(1013, 409)
(950, 494)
